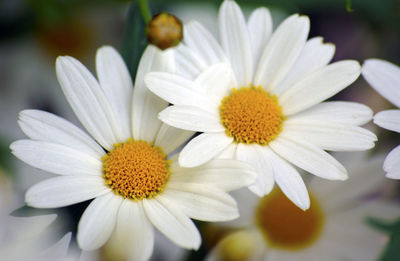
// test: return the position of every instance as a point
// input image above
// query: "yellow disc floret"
(136, 169)
(251, 115)
(286, 226)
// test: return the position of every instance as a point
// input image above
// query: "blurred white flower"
(28, 238)
(334, 228)
(257, 97)
(384, 77)
(123, 165)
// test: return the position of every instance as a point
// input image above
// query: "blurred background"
(34, 32)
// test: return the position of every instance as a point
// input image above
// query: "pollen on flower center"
(251, 115)
(286, 226)
(136, 169)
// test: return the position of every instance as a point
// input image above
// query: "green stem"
(145, 10)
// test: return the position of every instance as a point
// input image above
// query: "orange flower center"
(136, 169)
(286, 226)
(251, 115)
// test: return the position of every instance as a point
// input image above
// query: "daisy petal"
(349, 113)
(200, 40)
(331, 136)
(384, 77)
(59, 249)
(191, 118)
(258, 158)
(364, 179)
(56, 158)
(134, 233)
(282, 51)
(389, 120)
(98, 221)
(392, 161)
(87, 100)
(170, 138)
(179, 91)
(314, 56)
(235, 40)
(318, 86)
(309, 157)
(44, 126)
(187, 62)
(201, 202)
(228, 153)
(116, 83)
(146, 105)
(225, 174)
(203, 148)
(172, 222)
(260, 29)
(288, 180)
(64, 191)
(217, 80)
(393, 175)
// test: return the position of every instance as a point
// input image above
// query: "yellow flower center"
(136, 169)
(286, 226)
(251, 115)
(239, 246)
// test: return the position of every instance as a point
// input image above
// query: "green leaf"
(348, 6)
(6, 156)
(134, 41)
(392, 251)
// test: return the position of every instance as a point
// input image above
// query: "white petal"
(44, 126)
(364, 178)
(170, 138)
(392, 161)
(192, 118)
(98, 221)
(330, 136)
(58, 249)
(229, 152)
(87, 100)
(308, 157)
(258, 158)
(218, 80)
(288, 179)
(318, 86)
(172, 222)
(281, 51)
(116, 83)
(64, 191)
(146, 105)
(180, 91)
(225, 174)
(393, 175)
(260, 29)
(314, 56)
(188, 64)
(56, 158)
(134, 234)
(389, 120)
(384, 77)
(235, 40)
(203, 148)
(205, 203)
(203, 43)
(342, 112)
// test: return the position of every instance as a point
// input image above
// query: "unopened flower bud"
(164, 31)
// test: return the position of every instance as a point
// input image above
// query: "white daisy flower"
(333, 228)
(124, 164)
(264, 106)
(384, 77)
